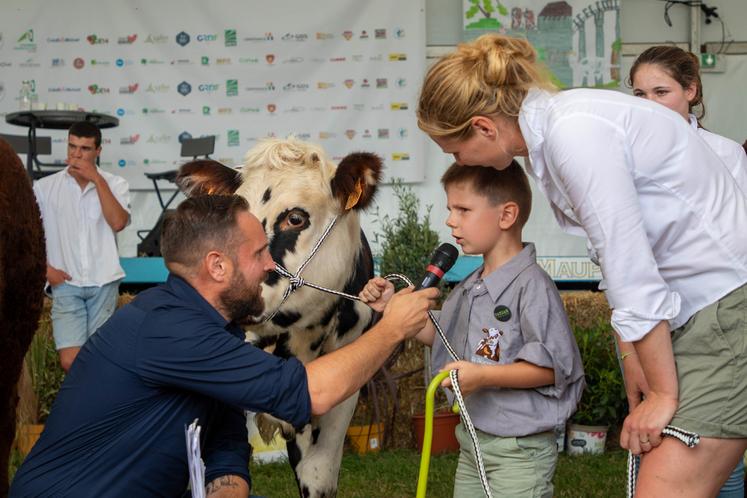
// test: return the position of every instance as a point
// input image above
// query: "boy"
(507, 321)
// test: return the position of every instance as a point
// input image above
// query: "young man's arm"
(115, 215)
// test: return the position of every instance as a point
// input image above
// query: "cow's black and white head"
(295, 190)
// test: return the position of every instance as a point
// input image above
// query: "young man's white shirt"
(79, 241)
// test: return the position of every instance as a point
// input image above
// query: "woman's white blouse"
(730, 152)
(664, 215)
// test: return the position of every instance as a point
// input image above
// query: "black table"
(53, 120)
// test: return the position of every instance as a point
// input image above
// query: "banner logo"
(233, 138)
(26, 41)
(232, 88)
(184, 88)
(182, 38)
(129, 89)
(127, 40)
(97, 90)
(96, 40)
(157, 39)
(230, 37)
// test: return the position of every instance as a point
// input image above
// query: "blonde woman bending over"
(661, 215)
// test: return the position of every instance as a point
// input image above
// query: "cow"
(295, 191)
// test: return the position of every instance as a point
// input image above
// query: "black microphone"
(442, 260)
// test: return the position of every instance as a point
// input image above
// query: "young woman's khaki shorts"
(709, 351)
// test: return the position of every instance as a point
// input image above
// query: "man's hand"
(377, 293)
(84, 169)
(56, 276)
(407, 311)
(229, 486)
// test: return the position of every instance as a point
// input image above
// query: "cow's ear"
(207, 177)
(356, 180)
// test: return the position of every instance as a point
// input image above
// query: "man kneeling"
(176, 353)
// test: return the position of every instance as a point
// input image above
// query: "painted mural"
(578, 40)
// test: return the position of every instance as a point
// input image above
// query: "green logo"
(206, 110)
(230, 35)
(28, 36)
(233, 138)
(205, 60)
(232, 88)
(502, 313)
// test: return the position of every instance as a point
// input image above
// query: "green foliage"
(603, 401)
(44, 367)
(406, 241)
(589, 476)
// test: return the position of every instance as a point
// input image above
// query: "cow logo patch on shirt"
(489, 347)
(502, 313)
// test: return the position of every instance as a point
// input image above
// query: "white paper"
(196, 466)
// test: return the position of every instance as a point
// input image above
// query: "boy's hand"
(470, 376)
(377, 292)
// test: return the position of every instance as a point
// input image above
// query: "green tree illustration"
(487, 9)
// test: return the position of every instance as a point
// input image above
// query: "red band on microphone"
(435, 270)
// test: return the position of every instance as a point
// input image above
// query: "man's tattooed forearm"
(221, 483)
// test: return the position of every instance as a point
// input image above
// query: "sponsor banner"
(347, 81)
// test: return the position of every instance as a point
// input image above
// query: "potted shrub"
(407, 242)
(603, 403)
(41, 379)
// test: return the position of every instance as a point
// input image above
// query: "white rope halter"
(296, 282)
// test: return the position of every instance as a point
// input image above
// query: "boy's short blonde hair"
(497, 186)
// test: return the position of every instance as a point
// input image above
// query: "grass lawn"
(394, 474)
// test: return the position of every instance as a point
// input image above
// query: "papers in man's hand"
(196, 467)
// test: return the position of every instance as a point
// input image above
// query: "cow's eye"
(296, 219)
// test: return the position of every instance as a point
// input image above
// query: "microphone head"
(444, 256)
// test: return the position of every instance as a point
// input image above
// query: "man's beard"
(242, 301)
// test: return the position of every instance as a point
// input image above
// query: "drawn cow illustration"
(295, 191)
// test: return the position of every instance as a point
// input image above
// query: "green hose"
(425, 456)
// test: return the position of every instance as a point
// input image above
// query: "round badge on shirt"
(502, 313)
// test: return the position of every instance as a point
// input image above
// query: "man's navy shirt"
(168, 357)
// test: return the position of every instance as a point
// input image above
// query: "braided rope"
(296, 282)
(689, 439)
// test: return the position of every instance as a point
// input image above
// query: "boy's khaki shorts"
(515, 466)
(709, 351)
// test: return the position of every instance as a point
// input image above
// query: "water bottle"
(34, 100)
(24, 96)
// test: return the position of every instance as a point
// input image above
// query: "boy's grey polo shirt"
(535, 329)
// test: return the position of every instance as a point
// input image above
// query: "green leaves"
(603, 401)
(407, 241)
